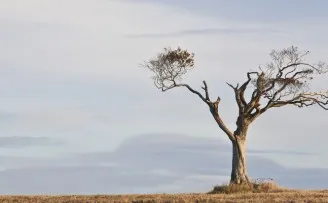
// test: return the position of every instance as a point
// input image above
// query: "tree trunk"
(239, 173)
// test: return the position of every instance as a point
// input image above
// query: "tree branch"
(205, 88)
(214, 110)
(213, 105)
(239, 101)
(283, 82)
(193, 91)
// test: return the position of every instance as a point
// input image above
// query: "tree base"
(252, 187)
(239, 179)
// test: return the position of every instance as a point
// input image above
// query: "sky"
(79, 115)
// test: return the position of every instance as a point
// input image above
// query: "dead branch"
(169, 67)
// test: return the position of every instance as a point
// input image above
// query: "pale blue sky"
(71, 87)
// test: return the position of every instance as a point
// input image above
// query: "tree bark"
(238, 172)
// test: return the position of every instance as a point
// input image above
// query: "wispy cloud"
(7, 116)
(281, 152)
(252, 10)
(19, 142)
(210, 31)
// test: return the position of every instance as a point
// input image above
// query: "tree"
(282, 82)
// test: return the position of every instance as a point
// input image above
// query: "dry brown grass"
(284, 196)
(256, 186)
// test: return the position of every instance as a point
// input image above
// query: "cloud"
(4, 115)
(6, 118)
(22, 142)
(197, 32)
(90, 42)
(281, 152)
(252, 10)
(149, 164)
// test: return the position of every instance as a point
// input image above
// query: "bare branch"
(284, 81)
(221, 124)
(205, 88)
(290, 84)
(306, 99)
(234, 88)
(169, 67)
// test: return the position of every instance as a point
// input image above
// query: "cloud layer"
(22, 142)
(147, 164)
(204, 32)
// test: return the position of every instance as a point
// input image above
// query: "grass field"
(295, 196)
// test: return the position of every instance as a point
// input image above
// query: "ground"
(295, 196)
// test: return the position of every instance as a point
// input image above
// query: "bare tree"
(282, 82)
